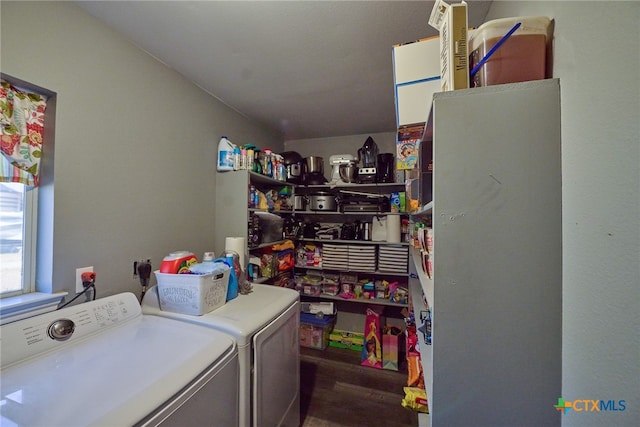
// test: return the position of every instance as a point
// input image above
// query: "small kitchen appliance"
(314, 171)
(293, 162)
(368, 159)
(385, 172)
(336, 161)
(323, 201)
(349, 173)
(354, 201)
(300, 202)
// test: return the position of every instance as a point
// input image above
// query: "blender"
(368, 157)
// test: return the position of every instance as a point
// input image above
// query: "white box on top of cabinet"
(416, 72)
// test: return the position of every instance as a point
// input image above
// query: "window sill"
(28, 305)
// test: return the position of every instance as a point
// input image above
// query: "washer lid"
(241, 317)
(116, 376)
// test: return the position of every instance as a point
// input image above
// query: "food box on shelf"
(194, 294)
(346, 339)
(451, 21)
(315, 330)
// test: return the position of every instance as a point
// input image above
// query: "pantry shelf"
(375, 273)
(359, 213)
(267, 244)
(376, 301)
(426, 282)
(354, 242)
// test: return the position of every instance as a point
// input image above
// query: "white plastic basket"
(194, 294)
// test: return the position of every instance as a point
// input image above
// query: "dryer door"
(276, 377)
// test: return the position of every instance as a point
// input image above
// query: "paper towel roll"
(238, 245)
(393, 228)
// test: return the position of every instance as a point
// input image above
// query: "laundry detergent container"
(525, 55)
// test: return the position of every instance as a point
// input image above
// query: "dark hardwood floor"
(337, 391)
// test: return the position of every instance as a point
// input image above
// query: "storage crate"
(314, 331)
(194, 294)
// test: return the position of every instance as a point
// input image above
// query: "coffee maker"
(385, 167)
(368, 159)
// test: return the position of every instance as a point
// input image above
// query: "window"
(17, 238)
(23, 115)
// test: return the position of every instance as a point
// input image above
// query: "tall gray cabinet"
(496, 293)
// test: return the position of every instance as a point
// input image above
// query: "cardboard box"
(416, 71)
(452, 23)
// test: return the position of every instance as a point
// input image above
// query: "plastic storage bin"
(194, 294)
(522, 57)
(314, 331)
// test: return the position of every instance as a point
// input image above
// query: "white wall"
(135, 144)
(597, 58)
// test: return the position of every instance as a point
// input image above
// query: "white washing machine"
(105, 363)
(265, 324)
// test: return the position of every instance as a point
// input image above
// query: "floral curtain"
(21, 129)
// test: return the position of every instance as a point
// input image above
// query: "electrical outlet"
(79, 271)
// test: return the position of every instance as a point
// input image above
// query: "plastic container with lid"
(236, 158)
(522, 57)
(225, 154)
(267, 166)
(233, 260)
(250, 157)
(178, 262)
(315, 330)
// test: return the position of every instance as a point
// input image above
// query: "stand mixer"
(336, 160)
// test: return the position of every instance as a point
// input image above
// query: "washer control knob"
(61, 329)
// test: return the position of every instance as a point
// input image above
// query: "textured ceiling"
(307, 69)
